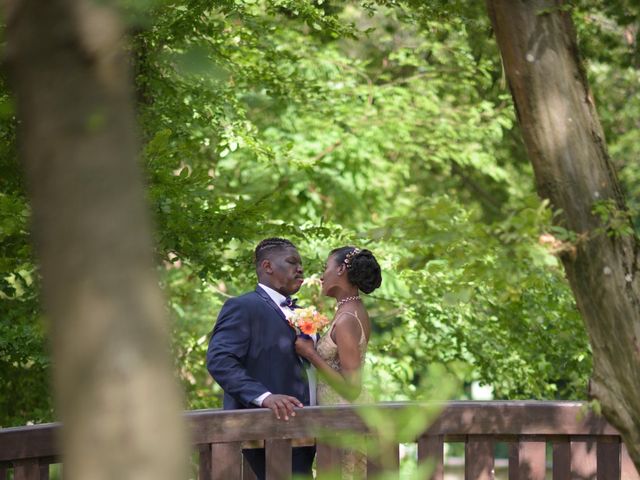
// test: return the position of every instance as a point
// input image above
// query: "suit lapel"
(265, 297)
(271, 303)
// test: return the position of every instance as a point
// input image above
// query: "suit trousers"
(301, 460)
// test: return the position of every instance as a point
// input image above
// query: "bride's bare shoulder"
(352, 322)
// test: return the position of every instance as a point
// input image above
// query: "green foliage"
(389, 127)
(24, 362)
(615, 222)
(383, 124)
(608, 38)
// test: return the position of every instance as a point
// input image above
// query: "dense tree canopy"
(382, 124)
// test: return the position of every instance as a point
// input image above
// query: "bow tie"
(289, 302)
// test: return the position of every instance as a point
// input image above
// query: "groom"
(251, 353)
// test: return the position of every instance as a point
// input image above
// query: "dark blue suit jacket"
(252, 351)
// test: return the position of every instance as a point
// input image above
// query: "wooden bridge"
(583, 445)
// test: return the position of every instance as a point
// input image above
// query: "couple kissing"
(260, 361)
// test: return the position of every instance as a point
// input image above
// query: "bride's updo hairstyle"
(363, 269)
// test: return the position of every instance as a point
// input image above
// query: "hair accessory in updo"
(350, 255)
(362, 268)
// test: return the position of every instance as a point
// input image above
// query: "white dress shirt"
(278, 298)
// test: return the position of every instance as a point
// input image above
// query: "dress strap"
(362, 334)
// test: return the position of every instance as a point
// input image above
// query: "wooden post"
(561, 458)
(431, 449)
(608, 454)
(26, 469)
(226, 461)
(204, 456)
(278, 459)
(328, 460)
(478, 458)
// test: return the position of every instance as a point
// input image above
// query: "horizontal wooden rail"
(455, 419)
(583, 444)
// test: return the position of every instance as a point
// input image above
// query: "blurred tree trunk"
(567, 148)
(115, 390)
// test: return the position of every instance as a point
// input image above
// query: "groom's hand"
(282, 405)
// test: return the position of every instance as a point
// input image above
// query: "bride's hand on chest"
(304, 347)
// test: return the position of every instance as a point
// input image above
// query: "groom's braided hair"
(268, 245)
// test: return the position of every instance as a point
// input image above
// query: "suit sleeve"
(227, 353)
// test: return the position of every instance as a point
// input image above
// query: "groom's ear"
(266, 266)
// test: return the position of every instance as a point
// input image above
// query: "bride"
(340, 353)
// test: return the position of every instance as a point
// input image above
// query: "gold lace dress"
(354, 462)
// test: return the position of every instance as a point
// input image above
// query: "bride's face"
(331, 277)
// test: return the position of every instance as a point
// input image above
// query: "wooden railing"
(583, 445)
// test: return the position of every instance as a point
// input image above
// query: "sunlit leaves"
(383, 124)
(400, 139)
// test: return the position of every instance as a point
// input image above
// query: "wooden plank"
(527, 460)
(608, 455)
(456, 418)
(328, 460)
(391, 459)
(278, 459)
(453, 438)
(518, 418)
(374, 464)
(627, 467)
(204, 462)
(226, 461)
(247, 471)
(561, 459)
(26, 469)
(381, 459)
(584, 459)
(44, 471)
(478, 458)
(17, 443)
(4, 473)
(431, 449)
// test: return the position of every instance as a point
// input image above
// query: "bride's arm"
(347, 382)
(348, 334)
(305, 349)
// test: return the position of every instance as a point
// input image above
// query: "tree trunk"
(567, 148)
(116, 394)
